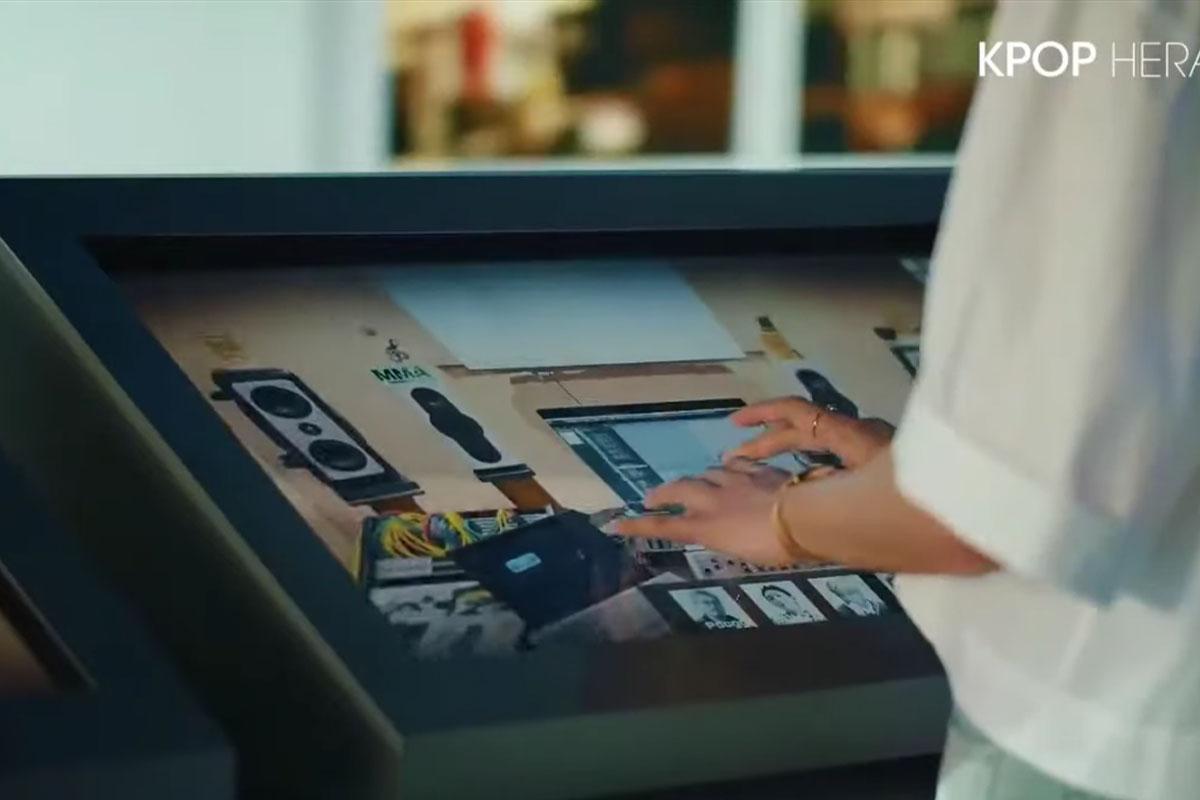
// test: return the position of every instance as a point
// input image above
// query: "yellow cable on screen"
(459, 526)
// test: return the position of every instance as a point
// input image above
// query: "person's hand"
(728, 510)
(794, 424)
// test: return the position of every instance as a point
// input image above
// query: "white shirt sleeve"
(1055, 424)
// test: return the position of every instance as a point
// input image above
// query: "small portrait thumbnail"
(712, 608)
(782, 602)
(850, 596)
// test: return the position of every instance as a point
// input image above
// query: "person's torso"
(1076, 193)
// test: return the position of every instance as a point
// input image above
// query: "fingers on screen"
(741, 464)
(783, 409)
(719, 477)
(694, 494)
(673, 528)
(769, 444)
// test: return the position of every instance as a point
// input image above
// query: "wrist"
(785, 535)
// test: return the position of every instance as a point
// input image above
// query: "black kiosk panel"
(89, 707)
(423, 432)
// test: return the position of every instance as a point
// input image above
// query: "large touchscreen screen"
(460, 436)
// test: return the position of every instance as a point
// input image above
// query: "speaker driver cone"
(280, 402)
(337, 455)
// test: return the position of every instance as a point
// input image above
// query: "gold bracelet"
(784, 534)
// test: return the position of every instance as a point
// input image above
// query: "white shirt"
(1055, 425)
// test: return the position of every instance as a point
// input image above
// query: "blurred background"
(268, 86)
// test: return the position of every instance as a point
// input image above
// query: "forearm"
(859, 519)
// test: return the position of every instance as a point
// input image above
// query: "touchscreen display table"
(384, 428)
(399, 456)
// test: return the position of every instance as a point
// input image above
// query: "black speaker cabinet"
(312, 435)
